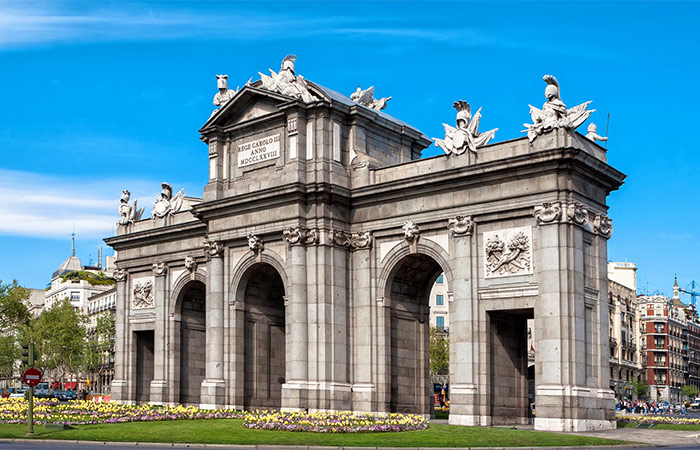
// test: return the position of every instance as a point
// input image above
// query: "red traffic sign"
(31, 377)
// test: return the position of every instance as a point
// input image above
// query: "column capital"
(354, 241)
(121, 275)
(602, 224)
(300, 235)
(160, 269)
(461, 226)
(213, 249)
(547, 213)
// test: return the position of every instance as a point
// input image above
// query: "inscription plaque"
(259, 150)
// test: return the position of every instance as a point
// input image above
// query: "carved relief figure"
(128, 213)
(286, 82)
(166, 204)
(508, 258)
(554, 113)
(366, 98)
(593, 133)
(143, 295)
(466, 136)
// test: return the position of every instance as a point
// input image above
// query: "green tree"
(689, 391)
(640, 388)
(439, 355)
(99, 346)
(59, 335)
(14, 312)
(9, 355)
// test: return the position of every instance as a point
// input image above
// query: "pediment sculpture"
(466, 136)
(286, 82)
(167, 204)
(554, 113)
(128, 214)
(366, 98)
(225, 94)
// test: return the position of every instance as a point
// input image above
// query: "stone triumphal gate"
(301, 279)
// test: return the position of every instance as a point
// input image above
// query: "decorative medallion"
(160, 269)
(143, 295)
(548, 212)
(508, 252)
(461, 225)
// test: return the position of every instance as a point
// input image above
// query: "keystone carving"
(143, 295)
(191, 266)
(160, 269)
(602, 225)
(461, 225)
(411, 231)
(577, 213)
(548, 212)
(296, 235)
(213, 249)
(255, 243)
(120, 274)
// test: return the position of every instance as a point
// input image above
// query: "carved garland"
(359, 240)
(296, 235)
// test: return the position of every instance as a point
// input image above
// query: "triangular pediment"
(248, 104)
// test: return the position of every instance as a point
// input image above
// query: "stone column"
(159, 385)
(364, 388)
(465, 386)
(213, 385)
(295, 387)
(119, 382)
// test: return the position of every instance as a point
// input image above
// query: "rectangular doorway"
(144, 364)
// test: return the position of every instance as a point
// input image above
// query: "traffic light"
(28, 355)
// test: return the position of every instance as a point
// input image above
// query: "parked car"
(42, 390)
(18, 393)
(64, 395)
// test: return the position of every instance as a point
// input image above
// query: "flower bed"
(80, 412)
(658, 420)
(333, 422)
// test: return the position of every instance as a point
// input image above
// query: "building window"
(439, 300)
(440, 279)
(440, 322)
(75, 296)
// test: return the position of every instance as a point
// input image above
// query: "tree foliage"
(9, 354)
(99, 345)
(640, 388)
(14, 311)
(689, 391)
(439, 353)
(95, 279)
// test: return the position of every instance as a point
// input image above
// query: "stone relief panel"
(508, 252)
(143, 295)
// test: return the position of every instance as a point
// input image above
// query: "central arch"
(261, 289)
(408, 289)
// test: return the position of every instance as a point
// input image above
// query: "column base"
(119, 391)
(364, 397)
(470, 420)
(212, 396)
(313, 396)
(158, 392)
(574, 408)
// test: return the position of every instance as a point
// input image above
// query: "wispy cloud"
(46, 206)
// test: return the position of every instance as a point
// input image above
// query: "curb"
(316, 447)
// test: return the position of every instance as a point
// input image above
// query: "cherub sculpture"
(286, 82)
(128, 213)
(554, 113)
(166, 204)
(593, 133)
(466, 136)
(225, 94)
(366, 98)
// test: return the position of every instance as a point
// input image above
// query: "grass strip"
(231, 431)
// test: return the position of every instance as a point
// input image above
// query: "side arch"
(180, 283)
(248, 261)
(399, 252)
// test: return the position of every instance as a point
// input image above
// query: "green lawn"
(231, 431)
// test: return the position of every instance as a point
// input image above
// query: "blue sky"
(96, 97)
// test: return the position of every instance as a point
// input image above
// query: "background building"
(439, 309)
(625, 341)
